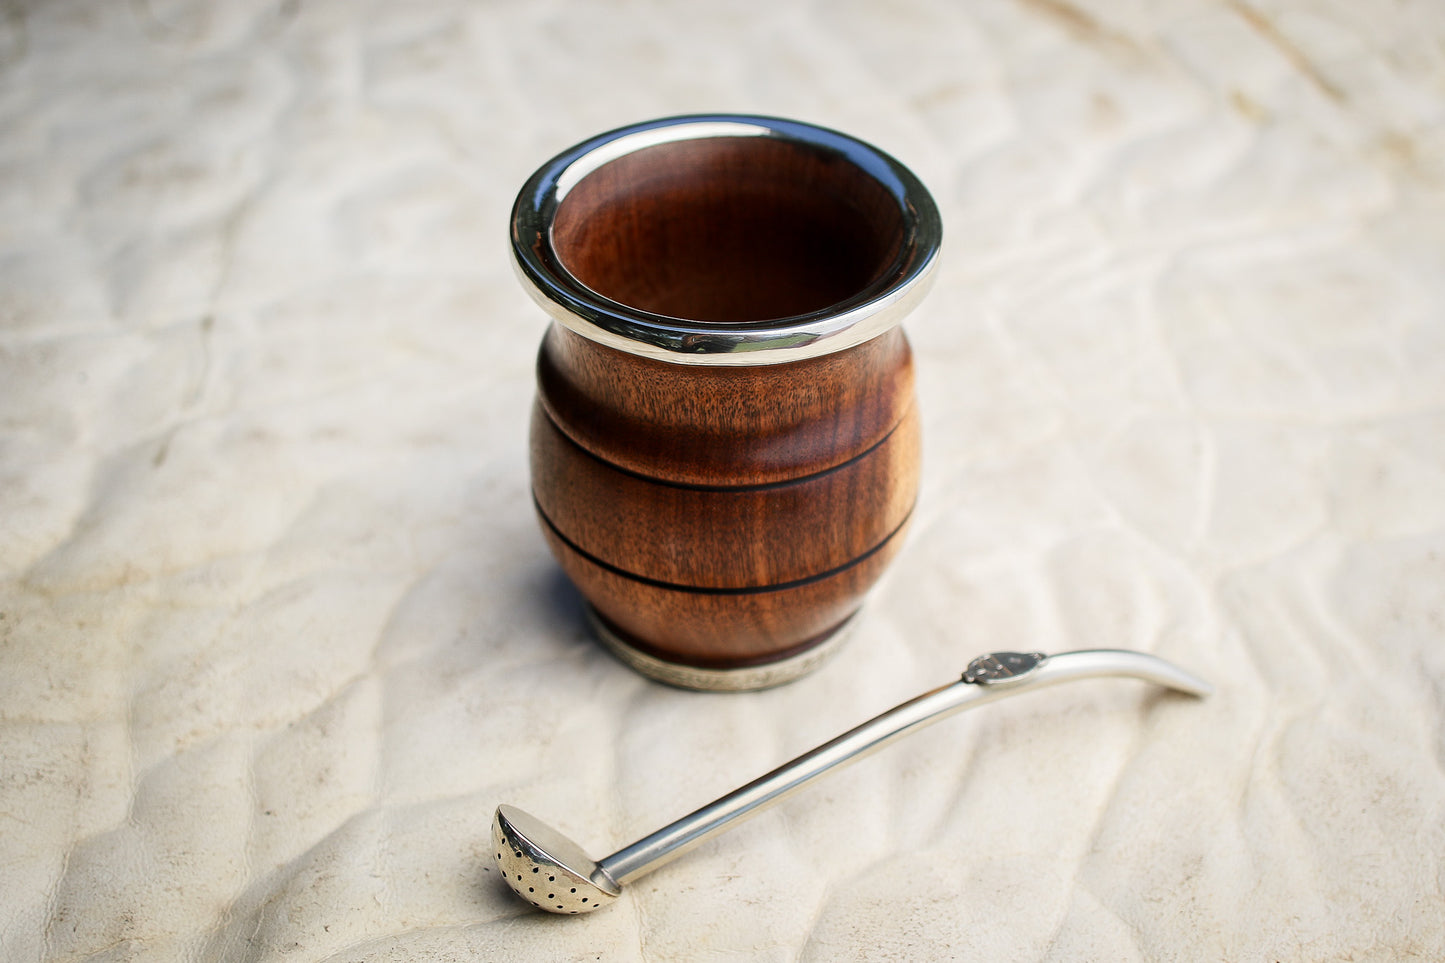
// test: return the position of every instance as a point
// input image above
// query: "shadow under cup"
(725, 446)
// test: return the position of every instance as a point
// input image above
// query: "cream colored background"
(279, 632)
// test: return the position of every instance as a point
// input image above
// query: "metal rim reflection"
(872, 311)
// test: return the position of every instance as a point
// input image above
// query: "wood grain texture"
(703, 425)
(728, 229)
(721, 629)
(725, 537)
(724, 516)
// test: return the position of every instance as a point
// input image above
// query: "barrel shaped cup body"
(725, 445)
(724, 517)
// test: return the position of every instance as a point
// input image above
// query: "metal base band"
(740, 679)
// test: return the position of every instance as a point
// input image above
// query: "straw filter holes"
(537, 868)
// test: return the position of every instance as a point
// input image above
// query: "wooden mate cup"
(725, 445)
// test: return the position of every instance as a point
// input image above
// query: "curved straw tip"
(1193, 685)
(1096, 663)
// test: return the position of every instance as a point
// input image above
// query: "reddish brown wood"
(724, 516)
(709, 425)
(744, 537)
(728, 229)
(723, 630)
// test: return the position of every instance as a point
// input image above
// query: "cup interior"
(728, 229)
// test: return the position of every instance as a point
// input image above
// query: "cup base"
(734, 679)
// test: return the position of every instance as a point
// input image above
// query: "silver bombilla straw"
(553, 873)
(988, 678)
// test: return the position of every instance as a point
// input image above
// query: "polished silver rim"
(871, 312)
(741, 679)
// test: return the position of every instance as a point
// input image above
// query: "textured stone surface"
(277, 631)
